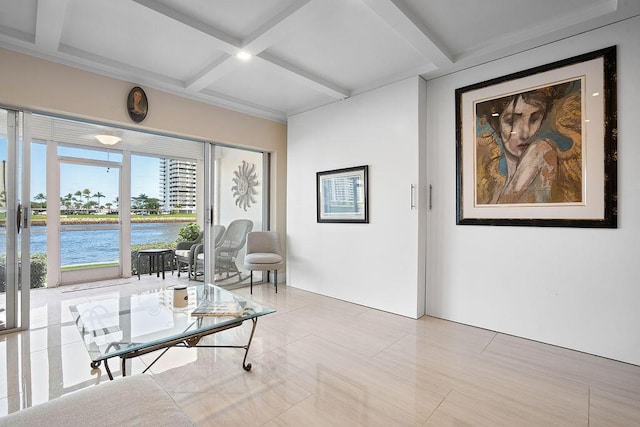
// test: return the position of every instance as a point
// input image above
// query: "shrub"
(38, 271)
(189, 232)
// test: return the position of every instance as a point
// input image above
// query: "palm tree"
(67, 201)
(41, 198)
(98, 195)
(87, 195)
(76, 200)
(64, 201)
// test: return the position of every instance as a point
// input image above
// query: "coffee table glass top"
(114, 326)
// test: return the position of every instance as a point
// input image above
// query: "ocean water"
(80, 246)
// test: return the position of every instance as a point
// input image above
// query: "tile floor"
(319, 361)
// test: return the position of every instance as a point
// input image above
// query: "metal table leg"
(187, 342)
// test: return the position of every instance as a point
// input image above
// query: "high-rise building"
(178, 185)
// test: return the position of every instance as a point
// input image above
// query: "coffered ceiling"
(304, 53)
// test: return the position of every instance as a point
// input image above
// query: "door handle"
(26, 217)
(19, 217)
(412, 200)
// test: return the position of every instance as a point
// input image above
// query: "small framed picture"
(342, 195)
(137, 104)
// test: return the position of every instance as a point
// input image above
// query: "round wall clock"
(245, 181)
(137, 104)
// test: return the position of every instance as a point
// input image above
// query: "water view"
(81, 246)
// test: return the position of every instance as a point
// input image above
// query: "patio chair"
(219, 232)
(228, 248)
(184, 255)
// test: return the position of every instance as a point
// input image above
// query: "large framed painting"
(538, 147)
(342, 195)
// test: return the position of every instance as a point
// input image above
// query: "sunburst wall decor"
(245, 181)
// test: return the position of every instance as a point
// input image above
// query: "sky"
(144, 176)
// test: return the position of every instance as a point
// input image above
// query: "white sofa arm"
(137, 399)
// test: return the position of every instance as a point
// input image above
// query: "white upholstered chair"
(264, 253)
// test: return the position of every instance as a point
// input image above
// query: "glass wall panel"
(164, 208)
(39, 202)
(239, 191)
(89, 233)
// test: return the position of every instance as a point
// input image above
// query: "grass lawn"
(83, 266)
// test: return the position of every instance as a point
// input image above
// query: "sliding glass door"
(141, 191)
(238, 190)
(15, 149)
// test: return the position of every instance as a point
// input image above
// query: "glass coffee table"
(132, 326)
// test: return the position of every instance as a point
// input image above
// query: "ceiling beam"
(49, 22)
(214, 71)
(107, 67)
(261, 39)
(279, 26)
(222, 40)
(69, 55)
(402, 20)
(275, 29)
(308, 79)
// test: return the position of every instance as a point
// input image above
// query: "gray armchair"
(264, 253)
(185, 255)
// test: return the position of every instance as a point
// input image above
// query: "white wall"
(572, 287)
(377, 264)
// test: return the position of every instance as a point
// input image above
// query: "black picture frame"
(137, 104)
(579, 106)
(342, 195)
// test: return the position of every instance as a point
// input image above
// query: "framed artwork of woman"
(137, 104)
(539, 147)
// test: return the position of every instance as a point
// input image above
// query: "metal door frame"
(18, 259)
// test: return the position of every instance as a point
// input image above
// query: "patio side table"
(157, 260)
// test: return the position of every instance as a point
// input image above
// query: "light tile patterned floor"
(320, 361)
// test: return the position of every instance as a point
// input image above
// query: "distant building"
(178, 185)
(342, 190)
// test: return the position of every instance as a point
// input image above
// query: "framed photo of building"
(539, 147)
(342, 195)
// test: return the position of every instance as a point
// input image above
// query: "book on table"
(218, 308)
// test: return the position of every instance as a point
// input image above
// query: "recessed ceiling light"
(243, 56)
